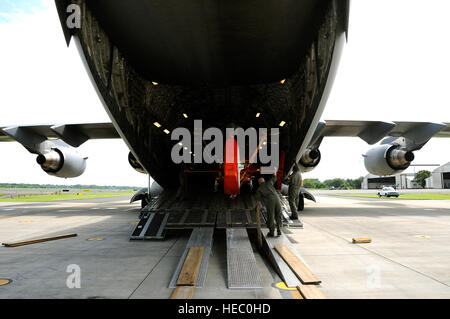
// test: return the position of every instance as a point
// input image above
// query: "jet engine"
(62, 162)
(309, 160)
(387, 159)
(135, 164)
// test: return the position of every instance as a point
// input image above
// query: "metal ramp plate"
(151, 226)
(280, 265)
(239, 218)
(191, 218)
(242, 270)
(286, 211)
(200, 237)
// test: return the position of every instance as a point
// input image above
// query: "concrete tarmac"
(113, 267)
(408, 258)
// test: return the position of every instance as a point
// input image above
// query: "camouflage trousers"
(293, 201)
(273, 207)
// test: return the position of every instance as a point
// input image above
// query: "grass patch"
(422, 196)
(53, 198)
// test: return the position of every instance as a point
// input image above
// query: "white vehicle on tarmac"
(388, 192)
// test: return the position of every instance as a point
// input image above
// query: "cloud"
(395, 67)
(44, 82)
(11, 10)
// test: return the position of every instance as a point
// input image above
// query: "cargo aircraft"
(161, 65)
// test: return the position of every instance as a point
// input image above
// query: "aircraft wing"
(370, 131)
(72, 134)
(445, 132)
(416, 133)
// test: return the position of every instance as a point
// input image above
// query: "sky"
(395, 66)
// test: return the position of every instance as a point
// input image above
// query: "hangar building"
(399, 181)
(440, 177)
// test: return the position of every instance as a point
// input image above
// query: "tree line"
(335, 183)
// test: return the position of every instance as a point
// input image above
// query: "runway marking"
(25, 221)
(430, 209)
(4, 282)
(282, 285)
(13, 216)
(422, 236)
(95, 239)
(110, 208)
(39, 209)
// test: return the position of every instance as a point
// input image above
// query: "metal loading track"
(151, 226)
(286, 211)
(200, 237)
(202, 210)
(242, 270)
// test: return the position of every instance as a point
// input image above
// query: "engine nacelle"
(135, 164)
(309, 160)
(62, 162)
(387, 160)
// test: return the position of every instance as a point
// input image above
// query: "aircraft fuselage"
(227, 63)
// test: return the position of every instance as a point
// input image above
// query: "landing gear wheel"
(301, 202)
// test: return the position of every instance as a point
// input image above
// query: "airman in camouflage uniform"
(295, 183)
(267, 194)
